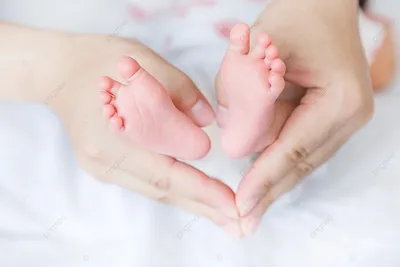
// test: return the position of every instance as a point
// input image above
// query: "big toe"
(240, 39)
(128, 67)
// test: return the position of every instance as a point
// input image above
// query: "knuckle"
(297, 155)
(93, 151)
(164, 200)
(160, 183)
(163, 183)
(368, 111)
(303, 168)
(361, 105)
(361, 112)
(268, 185)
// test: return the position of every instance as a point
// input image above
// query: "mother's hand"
(320, 44)
(73, 93)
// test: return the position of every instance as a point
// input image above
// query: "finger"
(152, 190)
(308, 165)
(172, 177)
(309, 126)
(175, 178)
(187, 98)
(183, 92)
(230, 225)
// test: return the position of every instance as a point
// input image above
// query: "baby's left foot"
(251, 82)
(143, 111)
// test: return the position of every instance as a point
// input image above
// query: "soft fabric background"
(53, 214)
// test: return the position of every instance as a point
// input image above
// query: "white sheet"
(53, 214)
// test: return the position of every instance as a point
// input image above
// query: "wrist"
(31, 62)
(282, 16)
(89, 57)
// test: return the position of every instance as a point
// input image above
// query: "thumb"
(222, 111)
(181, 89)
(187, 98)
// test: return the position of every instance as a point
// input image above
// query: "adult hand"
(320, 44)
(67, 71)
(111, 159)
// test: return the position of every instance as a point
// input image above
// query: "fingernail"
(245, 207)
(227, 210)
(202, 113)
(250, 226)
(222, 116)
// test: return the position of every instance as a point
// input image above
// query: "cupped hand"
(112, 159)
(320, 44)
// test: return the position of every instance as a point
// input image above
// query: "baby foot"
(144, 112)
(251, 81)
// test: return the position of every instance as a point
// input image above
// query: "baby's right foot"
(144, 112)
(251, 81)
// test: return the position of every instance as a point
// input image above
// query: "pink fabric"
(221, 26)
(174, 9)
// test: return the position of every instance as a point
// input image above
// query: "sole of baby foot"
(142, 110)
(252, 81)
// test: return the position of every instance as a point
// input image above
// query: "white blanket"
(53, 214)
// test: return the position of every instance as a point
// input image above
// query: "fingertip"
(201, 149)
(250, 225)
(222, 116)
(245, 206)
(234, 230)
(105, 83)
(202, 113)
(246, 200)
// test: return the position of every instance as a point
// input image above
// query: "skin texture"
(245, 79)
(76, 62)
(338, 98)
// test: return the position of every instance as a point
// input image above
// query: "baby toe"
(259, 51)
(271, 53)
(117, 124)
(277, 85)
(278, 67)
(106, 97)
(109, 111)
(106, 83)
